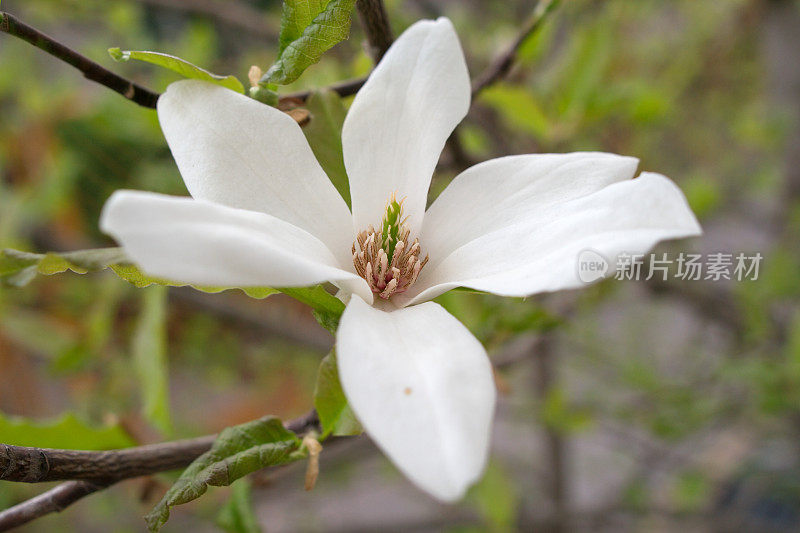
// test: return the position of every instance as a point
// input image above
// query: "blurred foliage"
(237, 515)
(65, 432)
(682, 85)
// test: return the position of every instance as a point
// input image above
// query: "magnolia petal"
(399, 121)
(505, 191)
(210, 244)
(422, 387)
(235, 151)
(531, 243)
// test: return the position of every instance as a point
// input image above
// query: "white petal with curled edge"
(399, 121)
(209, 244)
(422, 387)
(235, 151)
(526, 245)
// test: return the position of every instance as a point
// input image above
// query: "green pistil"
(391, 227)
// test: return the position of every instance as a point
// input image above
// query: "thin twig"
(501, 66)
(53, 501)
(85, 469)
(555, 442)
(342, 88)
(375, 22)
(91, 70)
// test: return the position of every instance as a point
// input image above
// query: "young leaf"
(324, 135)
(150, 358)
(19, 268)
(334, 412)
(308, 29)
(181, 66)
(238, 451)
(237, 515)
(327, 307)
(64, 432)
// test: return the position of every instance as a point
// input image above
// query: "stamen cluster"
(385, 258)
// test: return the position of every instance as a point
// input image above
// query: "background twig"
(53, 501)
(503, 63)
(375, 22)
(343, 88)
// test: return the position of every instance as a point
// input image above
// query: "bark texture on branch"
(35, 465)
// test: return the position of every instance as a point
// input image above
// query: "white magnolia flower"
(263, 213)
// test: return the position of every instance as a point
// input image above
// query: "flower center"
(385, 258)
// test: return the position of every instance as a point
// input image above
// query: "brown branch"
(53, 501)
(36, 465)
(501, 66)
(94, 471)
(375, 22)
(91, 70)
(555, 441)
(342, 88)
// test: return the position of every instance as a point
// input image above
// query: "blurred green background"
(626, 406)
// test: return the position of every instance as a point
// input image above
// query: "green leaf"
(181, 66)
(327, 307)
(238, 451)
(132, 274)
(297, 14)
(334, 412)
(308, 29)
(237, 515)
(19, 268)
(64, 432)
(149, 350)
(324, 135)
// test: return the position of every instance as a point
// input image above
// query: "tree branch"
(94, 471)
(375, 22)
(91, 70)
(501, 66)
(343, 88)
(53, 501)
(36, 465)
